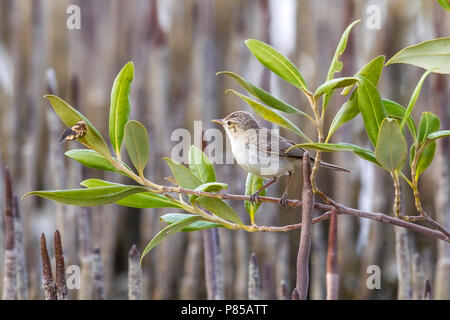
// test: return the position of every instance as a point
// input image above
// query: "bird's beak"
(219, 121)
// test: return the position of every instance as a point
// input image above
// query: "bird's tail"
(332, 166)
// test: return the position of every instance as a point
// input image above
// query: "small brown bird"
(263, 152)
(74, 132)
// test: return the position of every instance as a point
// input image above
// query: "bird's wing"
(270, 144)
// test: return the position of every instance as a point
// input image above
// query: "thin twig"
(60, 271)
(47, 279)
(332, 261)
(342, 209)
(383, 218)
(305, 236)
(135, 277)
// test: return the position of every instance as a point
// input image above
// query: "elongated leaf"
(253, 184)
(138, 200)
(336, 65)
(445, 4)
(395, 110)
(137, 144)
(208, 187)
(219, 208)
(348, 111)
(90, 196)
(413, 99)
(201, 165)
(372, 71)
(276, 62)
(429, 123)
(334, 84)
(343, 146)
(169, 230)
(120, 105)
(431, 55)
(172, 218)
(93, 140)
(391, 149)
(91, 159)
(262, 95)
(184, 177)
(438, 134)
(425, 159)
(270, 115)
(371, 108)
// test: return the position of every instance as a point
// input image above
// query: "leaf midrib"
(283, 64)
(116, 127)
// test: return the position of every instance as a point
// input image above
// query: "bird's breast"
(259, 162)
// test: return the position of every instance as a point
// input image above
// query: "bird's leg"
(255, 196)
(283, 199)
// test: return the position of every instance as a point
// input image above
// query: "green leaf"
(208, 187)
(90, 196)
(396, 110)
(371, 108)
(120, 106)
(262, 95)
(334, 84)
(70, 116)
(391, 149)
(348, 111)
(91, 159)
(137, 144)
(184, 177)
(413, 99)
(336, 65)
(438, 134)
(333, 147)
(372, 71)
(445, 4)
(430, 55)
(425, 158)
(270, 115)
(219, 208)
(276, 62)
(143, 200)
(429, 123)
(212, 187)
(169, 230)
(172, 218)
(200, 165)
(253, 184)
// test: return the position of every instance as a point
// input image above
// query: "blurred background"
(177, 47)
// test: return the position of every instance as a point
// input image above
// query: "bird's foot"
(254, 197)
(283, 200)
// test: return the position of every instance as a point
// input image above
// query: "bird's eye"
(229, 123)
